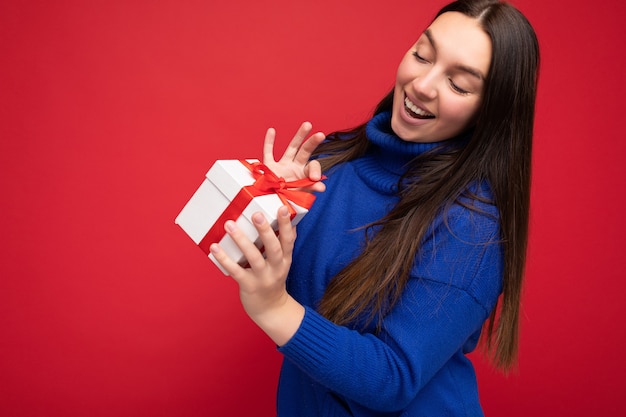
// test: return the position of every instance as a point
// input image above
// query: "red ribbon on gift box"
(266, 182)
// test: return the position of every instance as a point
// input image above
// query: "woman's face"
(440, 80)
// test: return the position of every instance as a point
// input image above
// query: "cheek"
(398, 94)
(404, 74)
(460, 112)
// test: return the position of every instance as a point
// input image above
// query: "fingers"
(296, 142)
(286, 232)
(277, 250)
(299, 149)
(247, 247)
(306, 150)
(271, 244)
(268, 145)
(232, 268)
(313, 170)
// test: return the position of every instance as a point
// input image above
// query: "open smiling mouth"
(415, 112)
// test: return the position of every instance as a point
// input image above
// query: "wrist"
(281, 322)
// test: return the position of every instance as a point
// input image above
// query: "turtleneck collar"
(380, 134)
(388, 158)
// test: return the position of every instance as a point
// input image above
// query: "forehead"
(461, 40)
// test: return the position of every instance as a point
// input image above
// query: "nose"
(425, 85)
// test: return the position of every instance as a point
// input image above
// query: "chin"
(397, 127)
(402, 131)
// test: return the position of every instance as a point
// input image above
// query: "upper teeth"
(409, 104)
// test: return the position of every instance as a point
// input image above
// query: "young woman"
(420, 234)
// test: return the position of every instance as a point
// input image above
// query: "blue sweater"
(416, 366)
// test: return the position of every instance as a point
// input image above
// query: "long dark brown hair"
(498, 152)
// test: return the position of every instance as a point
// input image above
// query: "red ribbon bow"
(266, 182)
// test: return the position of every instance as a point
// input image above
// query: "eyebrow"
(472, 71)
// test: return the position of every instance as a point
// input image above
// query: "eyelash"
(452, 84)
(457, 88)
(419, 58)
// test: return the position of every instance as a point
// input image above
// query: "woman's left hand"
(295, 163)
(262, 286)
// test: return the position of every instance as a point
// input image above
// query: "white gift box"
(222, 184)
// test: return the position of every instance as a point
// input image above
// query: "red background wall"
(111, 113)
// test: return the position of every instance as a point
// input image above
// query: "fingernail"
(230, 226)
(215, 248)
(258, 218)
(283, 211)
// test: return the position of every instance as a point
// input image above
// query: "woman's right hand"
(262, 285)
(295, 164)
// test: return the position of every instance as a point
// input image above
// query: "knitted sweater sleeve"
(455, 283)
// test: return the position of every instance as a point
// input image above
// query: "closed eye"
(457, 88)
(419, 57)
